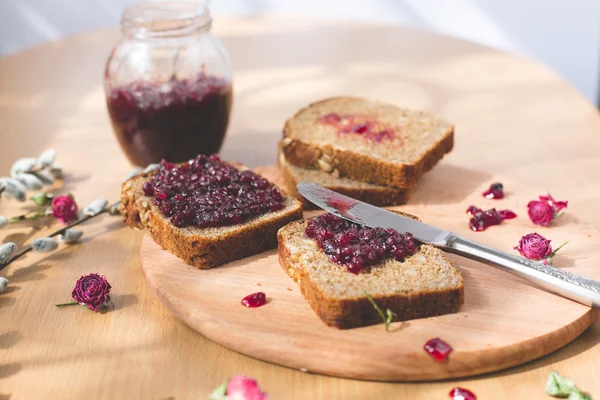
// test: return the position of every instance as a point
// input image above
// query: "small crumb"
(290, 289)
(303, 370)
(258, 284)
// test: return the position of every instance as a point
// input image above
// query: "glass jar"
(168, 83)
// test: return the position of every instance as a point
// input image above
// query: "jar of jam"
(168, 83)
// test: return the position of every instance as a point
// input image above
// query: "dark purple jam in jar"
(356, 246)
(173, 120)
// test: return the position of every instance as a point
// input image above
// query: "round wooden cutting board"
(504, 322)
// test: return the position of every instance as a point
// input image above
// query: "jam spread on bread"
(175, 120)
(481, 220)
(206, 192)
(356, 246)
(358, 125)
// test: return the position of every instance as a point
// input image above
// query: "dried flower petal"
(22, 165)
(3, 284)
(14, 188)
(3, 221)
(95, 207)
(7, 250)
(46, 158)
(44, 244)
(151, 167)
(30, 181)
(70, 236)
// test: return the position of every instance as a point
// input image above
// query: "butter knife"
(580, 289)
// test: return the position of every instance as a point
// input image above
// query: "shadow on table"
(7, 370)
(587, 340)
(447, 184)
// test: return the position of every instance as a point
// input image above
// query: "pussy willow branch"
(87, 217)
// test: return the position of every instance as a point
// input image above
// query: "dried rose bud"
(534, 246)
(540, 212)
(92, 291)
(64, 208)
(545, 210)
(242, 387)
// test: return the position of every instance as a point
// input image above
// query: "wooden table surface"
(513, 117)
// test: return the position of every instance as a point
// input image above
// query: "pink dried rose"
(536, 247)
(64, 209)
(545, 210)
(92, 291)
(239, 388)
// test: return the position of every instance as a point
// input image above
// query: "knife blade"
(583, 290)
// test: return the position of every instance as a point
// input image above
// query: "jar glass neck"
(166, 19)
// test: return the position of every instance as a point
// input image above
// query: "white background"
(564, 34)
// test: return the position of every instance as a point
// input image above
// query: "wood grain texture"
(504, 321)
(537, 129)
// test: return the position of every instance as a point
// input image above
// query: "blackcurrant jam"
(356, 246)
(173, 120)
(206, 192)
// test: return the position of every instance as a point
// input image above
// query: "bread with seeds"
(423, 285)
(368, 192)
(209, 246)
(366, 141)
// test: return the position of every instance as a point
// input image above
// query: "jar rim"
(166, 19)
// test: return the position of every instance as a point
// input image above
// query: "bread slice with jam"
(370, 193)
(425, 284)
(366, 141)
(239, 234)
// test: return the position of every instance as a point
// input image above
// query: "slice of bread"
(424, 285)
(418, 142)
(204, 247)
(374, 194)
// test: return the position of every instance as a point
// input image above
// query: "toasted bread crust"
(361, 167)
(357, 312)
(380, 196)
(201, 251)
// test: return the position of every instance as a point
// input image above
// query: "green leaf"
(579, 396)
(219, 393)
(559, 386)
(41, 199)
(386, 319)
(390, 315)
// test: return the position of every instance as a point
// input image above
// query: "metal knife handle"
(580, 289)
